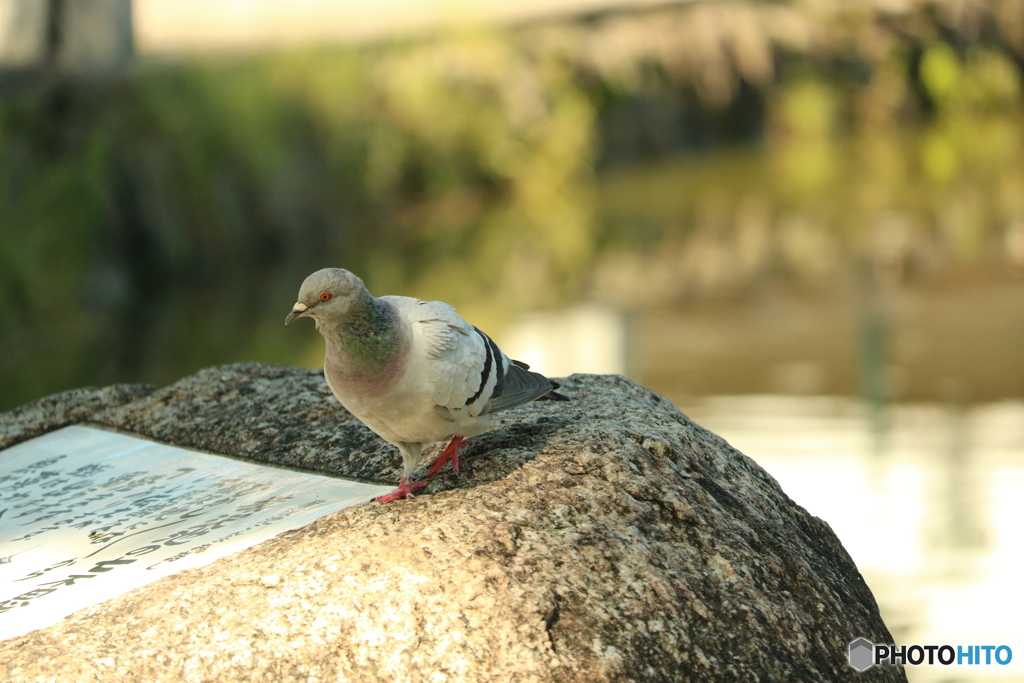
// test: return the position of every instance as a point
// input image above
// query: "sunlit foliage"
(160, 224)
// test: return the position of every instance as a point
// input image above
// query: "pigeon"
(412, 371)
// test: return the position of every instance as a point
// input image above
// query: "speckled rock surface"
(604, 539)
(67, 408)
(271, 414)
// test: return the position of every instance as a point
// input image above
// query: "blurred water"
(930, 508)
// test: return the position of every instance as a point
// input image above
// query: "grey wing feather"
(468, 373)
(521, 386)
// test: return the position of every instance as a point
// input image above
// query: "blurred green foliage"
(157, 225)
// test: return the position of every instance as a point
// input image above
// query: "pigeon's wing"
(450, 355)
(467, 370)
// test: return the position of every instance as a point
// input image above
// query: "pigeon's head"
(327, 294)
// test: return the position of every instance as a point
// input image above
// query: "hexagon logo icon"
(862, 654)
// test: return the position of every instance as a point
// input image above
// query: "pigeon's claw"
(404, 490)
(450, 453)
(455, 454)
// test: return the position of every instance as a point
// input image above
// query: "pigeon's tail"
(553, 395)
(521, 386)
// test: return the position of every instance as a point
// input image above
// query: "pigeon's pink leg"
(455, 455)
(404, 490)
(450, 453)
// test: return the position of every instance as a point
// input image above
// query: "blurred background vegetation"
(159, 222)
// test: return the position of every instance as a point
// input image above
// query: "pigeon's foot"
(404, 490)
(450, 453)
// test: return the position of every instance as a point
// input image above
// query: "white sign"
(87, 514)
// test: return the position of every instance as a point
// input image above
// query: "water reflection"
(583, 339)
(932, 519)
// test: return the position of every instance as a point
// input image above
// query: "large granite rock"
(604, 539)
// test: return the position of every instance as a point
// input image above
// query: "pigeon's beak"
(298, 310)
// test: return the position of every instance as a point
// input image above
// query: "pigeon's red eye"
(325, 296)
